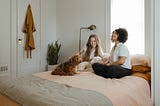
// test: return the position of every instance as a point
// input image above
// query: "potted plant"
(53, 54)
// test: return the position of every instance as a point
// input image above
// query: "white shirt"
(121, 50)
(92, 53)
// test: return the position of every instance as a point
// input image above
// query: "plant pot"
(51, 67)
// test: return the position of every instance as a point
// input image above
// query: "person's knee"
(95, 65)
(129, 72)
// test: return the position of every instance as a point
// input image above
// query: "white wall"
(9, 35)
(48, 27)
(73, 14)
(5, 34)
(155, 19)
(148, 27)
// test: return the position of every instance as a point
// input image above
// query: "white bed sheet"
(127, 91)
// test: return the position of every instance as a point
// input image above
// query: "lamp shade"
(92, 27)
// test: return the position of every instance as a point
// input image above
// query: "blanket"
(35, 91)
(142, 71)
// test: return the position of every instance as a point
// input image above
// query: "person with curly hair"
(119, 64)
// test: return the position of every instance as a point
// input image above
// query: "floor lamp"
(91, 27)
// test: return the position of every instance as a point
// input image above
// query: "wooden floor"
(4, 101)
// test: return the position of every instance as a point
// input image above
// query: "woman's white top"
(92, 52)
(120, 50)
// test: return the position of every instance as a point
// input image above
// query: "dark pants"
(112, 71)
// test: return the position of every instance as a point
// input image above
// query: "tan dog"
(68, 68)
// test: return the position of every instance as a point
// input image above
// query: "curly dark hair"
(122, 34)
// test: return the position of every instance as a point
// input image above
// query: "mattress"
(126, 91)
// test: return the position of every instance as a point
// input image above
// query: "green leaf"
(53, 53)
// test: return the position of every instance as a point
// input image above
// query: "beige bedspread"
(35, 91)
(127, 91)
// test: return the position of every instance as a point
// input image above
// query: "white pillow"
(139, 59)
(83, 65)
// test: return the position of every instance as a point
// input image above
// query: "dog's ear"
(72, 58)
(80, 53)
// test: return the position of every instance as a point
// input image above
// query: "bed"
(82, 89)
